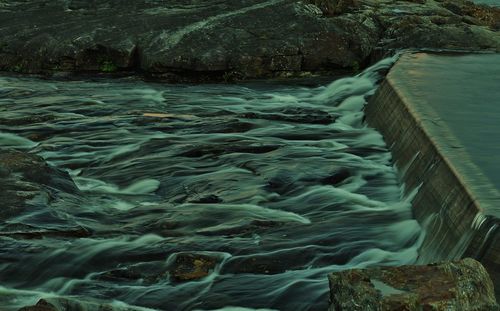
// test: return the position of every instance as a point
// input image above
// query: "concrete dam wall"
(442, 126)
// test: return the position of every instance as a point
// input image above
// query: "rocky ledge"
(460, 285)
(213, 40)
(27, 184)
(64, 304)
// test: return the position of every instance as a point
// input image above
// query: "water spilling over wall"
(457, 201)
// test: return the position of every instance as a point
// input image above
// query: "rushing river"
(275, 185)
(488, 2)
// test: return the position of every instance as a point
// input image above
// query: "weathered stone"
(335, 7)
(27, 178)
(209, 199)
(42, 305)
(299, 115)
(337, 177)
(278, 262)
(461, 285)
(26, 120)
(230, 40)
(29, 232)
(191, 266)
(218, 149)
(69, 304)
(144, 273)
(34, 169)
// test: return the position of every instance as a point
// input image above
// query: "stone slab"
(461, 285)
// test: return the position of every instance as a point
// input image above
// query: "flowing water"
(275, 185)
(488, 2)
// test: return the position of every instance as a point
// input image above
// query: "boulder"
(34, 169)
(71, 304)
(191, 266)
(42, 305)
(27, 178)
(459, 285)
(214, 40)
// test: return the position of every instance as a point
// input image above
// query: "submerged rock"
(337, 177)
(191, 267)
(69, 304)
(27, 178)
(335, 7)
(296, 115)
(197, 151)
(227, 40)
(31, 232)
(34, 169)
(460, 285)
(42, 305)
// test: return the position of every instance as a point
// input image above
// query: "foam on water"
(277, 184)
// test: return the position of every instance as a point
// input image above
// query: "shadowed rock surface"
(460, 285)
(189, 267)
(181, 40)
(63, 304)
(27, 179)
(27, 183)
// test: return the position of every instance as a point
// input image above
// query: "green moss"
(108, 66)
(17, 68)
(226, 77)
(355, 66)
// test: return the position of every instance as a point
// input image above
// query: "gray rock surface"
(27, 178)
(65, 304)
(193, 40)
(27, 183)
(460, 285)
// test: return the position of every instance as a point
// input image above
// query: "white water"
(257, 176)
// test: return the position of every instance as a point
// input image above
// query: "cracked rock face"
(213, 40)
(460, 285)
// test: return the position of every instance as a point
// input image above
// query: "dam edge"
(455, 203)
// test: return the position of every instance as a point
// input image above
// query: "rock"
(199, 41)
(460, 285)
(282, 182)
(278, 262)
(337, 177)
(27, 178)
(209, 199)
(26, 120)
(69, 304)
(196, 151)
(35, 170)
(142, 273)
(30, 232)
(480, 14)
(42, 305)
(297, 114)
(335, 7)
(191, 267)
(168, 116)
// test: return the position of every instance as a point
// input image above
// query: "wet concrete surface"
(439, 113)
(464, 93)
